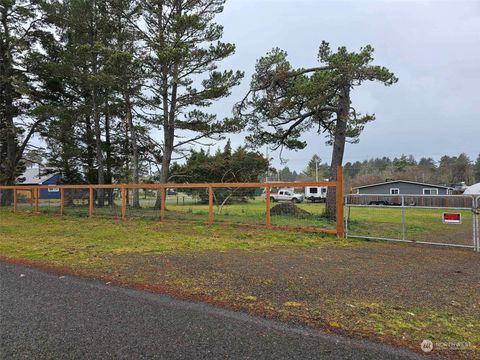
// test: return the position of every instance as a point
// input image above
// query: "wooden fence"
(34, 198)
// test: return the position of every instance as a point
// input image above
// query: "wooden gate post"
(37, 199)
(14, 200)
(162, 203)
(62, 201)
(210, 205)
(90, 202)
(124, 203)
(267, 210)
(340, 205)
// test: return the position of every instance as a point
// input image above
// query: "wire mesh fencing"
(270, 205)
(25, 200)
(140, 203)
(448, 220)
(187, 203)
(290, 207)
(105, 203)
(239, 205)
(76, 202)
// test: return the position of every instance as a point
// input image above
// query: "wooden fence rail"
(162, 188)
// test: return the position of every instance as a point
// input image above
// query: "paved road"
(55, 317)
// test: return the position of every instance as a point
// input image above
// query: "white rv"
(316, 193)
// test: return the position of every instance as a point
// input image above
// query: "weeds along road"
(51, 316)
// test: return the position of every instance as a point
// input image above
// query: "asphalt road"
(47, 316)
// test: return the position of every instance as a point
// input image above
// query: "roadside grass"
(70, 240)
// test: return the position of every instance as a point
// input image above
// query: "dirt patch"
(288, 208)
(393, 293)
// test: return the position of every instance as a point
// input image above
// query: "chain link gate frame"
(476, 229)
(351, 201)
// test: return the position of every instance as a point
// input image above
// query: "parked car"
(316, 193)
(385, 203)
(287, 195)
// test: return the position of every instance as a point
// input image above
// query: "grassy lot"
(421, 224)
(397, 294)
(185, 207)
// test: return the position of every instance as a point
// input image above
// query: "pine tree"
(21, 28)
(185, 47)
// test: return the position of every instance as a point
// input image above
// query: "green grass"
(420, 224)
(251, 212)
(70, 239)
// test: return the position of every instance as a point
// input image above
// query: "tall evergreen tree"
(185, 47)
(21, 28)
(284, 102)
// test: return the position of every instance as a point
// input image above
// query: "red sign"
(452, 218)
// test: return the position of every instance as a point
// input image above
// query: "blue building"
(403, 187)
(42, 176)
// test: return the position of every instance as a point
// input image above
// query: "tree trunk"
(90, 160)
(98, 148)
(340, 135)
(168, 131)
(108, 154)
(135, 154)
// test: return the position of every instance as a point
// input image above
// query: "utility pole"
(316, 171)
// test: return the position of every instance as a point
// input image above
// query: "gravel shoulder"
(50, 316)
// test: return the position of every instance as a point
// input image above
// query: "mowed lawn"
(398, 294)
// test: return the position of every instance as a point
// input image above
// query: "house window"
(53, 190)
(394, 191)
(430, 191)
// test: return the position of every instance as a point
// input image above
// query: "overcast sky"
(432, 46)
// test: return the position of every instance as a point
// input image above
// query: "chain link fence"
(445, 220)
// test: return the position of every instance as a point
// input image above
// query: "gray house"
(403, 187)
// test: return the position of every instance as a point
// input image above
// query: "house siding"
(45, 194)
(404, 188)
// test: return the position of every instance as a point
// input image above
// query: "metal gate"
(445, 220)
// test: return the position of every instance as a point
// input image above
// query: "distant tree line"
(447, 171)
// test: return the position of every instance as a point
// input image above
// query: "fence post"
(340, 205)
(14, 199)
(37, 199)
(90, 201)
(267, 210)
(32, 197)
(62, 201)
(403, 218)
(162, 203)
(210, 205)
(124, 202)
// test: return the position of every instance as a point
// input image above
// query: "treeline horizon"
(446, 171)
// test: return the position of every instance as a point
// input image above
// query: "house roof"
(403, 181)
(473, 190)
(36, 176)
